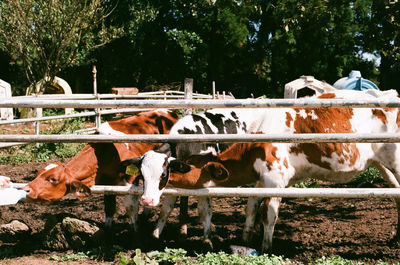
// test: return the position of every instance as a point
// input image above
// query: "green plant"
(312, 183)
(222, 258)
(370, 176)
(169, 256)
(71, 257)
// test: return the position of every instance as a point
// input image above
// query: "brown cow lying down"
(99, 163)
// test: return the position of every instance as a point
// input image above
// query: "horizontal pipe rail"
(112, 96)
(200, 103)
(253, 192)
(208, 138)
(74, 115)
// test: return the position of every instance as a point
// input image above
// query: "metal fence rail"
(237, 103)
(203, 138)
(253, 192)
(203, 103)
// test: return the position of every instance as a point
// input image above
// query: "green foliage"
(80, 256)
(178, 256)
(370, 176)
(227, 259)
(245, 47)
(45, 36)
(312, 183)
(340, 261)
(169, 256)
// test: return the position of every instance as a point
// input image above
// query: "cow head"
(155, 167)
(212, 169)
(52, 183)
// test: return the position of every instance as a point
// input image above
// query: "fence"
(187, 94)
(255, 103)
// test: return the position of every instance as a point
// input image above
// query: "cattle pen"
(206, 103)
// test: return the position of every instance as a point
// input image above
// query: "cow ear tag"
(132, 170)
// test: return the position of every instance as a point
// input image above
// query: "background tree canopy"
(246, 47)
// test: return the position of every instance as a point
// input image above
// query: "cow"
(156, 165)
(99, 163)
(184, 175)
(280, 165)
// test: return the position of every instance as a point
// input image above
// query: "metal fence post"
(97, 110)
(188, 92)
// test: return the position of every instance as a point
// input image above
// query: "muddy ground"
(357, 229)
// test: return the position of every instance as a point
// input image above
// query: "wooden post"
(188, 92)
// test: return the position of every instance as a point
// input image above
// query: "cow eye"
(53, 180)
(163, 180)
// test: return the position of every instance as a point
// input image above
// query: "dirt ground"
(357, 229)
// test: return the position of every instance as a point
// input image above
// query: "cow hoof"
(183, 230)
(395, 242)
(207, 245)
(156, 234)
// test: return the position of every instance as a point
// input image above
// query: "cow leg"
(109, 208)
(183, 215)
(205, 213)
(166, 209)
(269, 215)
(132, 208)
(251, 211)
(393, 179)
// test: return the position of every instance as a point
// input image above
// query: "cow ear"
(79, 189)
(178, 166)
(218, 172)
(165, 149)
(131, 166)
(137, 161)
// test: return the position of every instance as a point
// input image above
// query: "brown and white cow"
(99, 163)
(284, 164)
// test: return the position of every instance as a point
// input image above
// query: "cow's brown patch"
(380, 115)
(327, 95)
(289, 119)
(320, 120)
(398, 119)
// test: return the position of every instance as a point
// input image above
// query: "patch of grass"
(335, 260)
(80, 256)
(44, 151)
(178, 256)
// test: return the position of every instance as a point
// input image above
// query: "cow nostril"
(27, 189)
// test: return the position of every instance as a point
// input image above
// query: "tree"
(47, 36)
(382, 38)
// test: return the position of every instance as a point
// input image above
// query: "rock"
(71, 233)
(14, 231)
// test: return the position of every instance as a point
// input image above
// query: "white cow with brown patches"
(284, 164)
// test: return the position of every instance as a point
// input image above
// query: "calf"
(156, 165)
(99, 163)
(284, 164)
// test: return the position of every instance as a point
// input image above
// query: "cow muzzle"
(145, 201)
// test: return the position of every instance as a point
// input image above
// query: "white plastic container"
(11, 196)
(243, 251)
